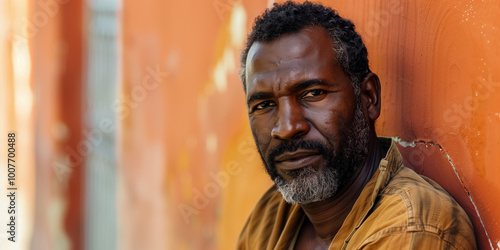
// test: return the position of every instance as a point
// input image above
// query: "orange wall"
(54, 31)
(188, 128)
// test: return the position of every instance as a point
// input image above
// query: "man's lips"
(297, 159)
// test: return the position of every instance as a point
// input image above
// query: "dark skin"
(296, 90)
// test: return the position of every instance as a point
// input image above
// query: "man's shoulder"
(271, 206)
(417, 189)
(411, 203)
(270, 220)
(407, 180)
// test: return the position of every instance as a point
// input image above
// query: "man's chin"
(308, 186)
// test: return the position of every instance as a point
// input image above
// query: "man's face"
(307, 122)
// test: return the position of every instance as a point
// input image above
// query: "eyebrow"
(308, 83)
(297, 87)
(259, 96)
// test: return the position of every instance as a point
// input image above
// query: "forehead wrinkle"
(289, 76)
(278, 81)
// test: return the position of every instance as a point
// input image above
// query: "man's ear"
(370, 96)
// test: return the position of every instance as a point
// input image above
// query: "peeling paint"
(404, 143)
(426, 143)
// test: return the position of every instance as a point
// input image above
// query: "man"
(312, 103)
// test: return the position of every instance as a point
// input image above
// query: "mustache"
(292, 146)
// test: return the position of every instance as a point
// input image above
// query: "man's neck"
(328, 216)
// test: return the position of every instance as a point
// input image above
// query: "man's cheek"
(262, 142)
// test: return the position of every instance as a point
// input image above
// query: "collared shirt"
(397, 209)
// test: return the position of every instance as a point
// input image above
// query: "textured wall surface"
(54, 31)
(187, 170)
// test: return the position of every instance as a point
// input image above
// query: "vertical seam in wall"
(467, 191)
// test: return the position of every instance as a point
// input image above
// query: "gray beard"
(310, 185)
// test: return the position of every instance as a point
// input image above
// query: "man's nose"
(290, 122)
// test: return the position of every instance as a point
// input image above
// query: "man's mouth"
(297, 159)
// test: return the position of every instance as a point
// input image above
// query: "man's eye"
(314, 93)
(264, 105)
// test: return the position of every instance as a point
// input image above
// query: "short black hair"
(290, 17)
